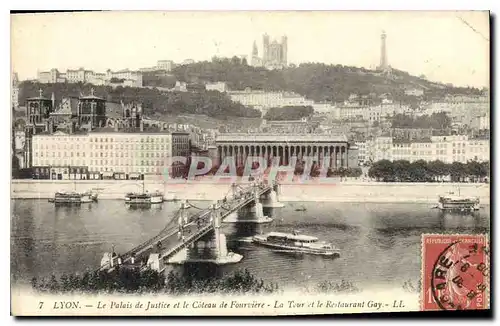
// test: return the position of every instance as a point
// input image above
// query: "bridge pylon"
(272, 199)
(214, 240)
(234, 190)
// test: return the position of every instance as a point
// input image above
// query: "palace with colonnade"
(285, 146)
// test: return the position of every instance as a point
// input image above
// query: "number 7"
(40, 305)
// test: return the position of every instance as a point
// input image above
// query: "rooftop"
(242, 137)
(112, 130)
(146, 130)
(91, 96)
(292, 236)
(39, 97)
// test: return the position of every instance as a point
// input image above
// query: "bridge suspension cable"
(194, 206)
(152, 240)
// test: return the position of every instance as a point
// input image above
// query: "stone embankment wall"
(338, 192)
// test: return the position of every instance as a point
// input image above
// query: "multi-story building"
(166, 65)
(414, 92)
(130, 77)
(81, 75)
(461, 109)
(478, 150)
(15, 90)
(481, 122)
(217, 86)
(264, 100)
(106, 150)
(448, 149)
(323, 107)
(362, 153)
(382, 149)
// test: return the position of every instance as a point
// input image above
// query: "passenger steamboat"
(459, 203)
(296, 243)
(73, 198)
(144, 198)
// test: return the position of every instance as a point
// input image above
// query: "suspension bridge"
(184, 230)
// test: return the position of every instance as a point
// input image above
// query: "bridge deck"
(198, 225)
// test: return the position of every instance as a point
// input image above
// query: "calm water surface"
(379, 243)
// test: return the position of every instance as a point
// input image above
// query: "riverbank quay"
(331, 191)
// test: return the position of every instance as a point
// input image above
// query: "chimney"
(71, 127)
(142, 126)
(115, 126)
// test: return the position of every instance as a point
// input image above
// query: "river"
(379, 243)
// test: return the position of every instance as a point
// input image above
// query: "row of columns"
(337, 154)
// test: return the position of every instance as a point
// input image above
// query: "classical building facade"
(285, 146)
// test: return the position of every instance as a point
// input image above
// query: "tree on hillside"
(211, 103)
(436, 121)
(289, 113)
(316, 81)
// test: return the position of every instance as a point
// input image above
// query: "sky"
(446, 46)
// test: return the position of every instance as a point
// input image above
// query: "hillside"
(209, 103)
(316, 81)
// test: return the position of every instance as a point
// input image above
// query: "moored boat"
(73, 198)
(294, 242)
(144, 198)
(453, 202)
(88, 197)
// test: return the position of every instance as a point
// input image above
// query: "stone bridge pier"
(271, 199)
(211, 248)
(252, 213)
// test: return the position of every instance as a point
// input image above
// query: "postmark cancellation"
(455, 272)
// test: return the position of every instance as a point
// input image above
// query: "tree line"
(134, 281)
(422, 171)
(300, 169)
(210, 103)
(288, 113)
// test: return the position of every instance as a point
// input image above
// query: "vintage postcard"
(250, 163)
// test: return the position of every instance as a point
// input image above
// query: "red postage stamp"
(455, 272)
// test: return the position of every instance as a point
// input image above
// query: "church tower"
(265, 48)
(256, 62)
(91, 111)
(284, 50)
